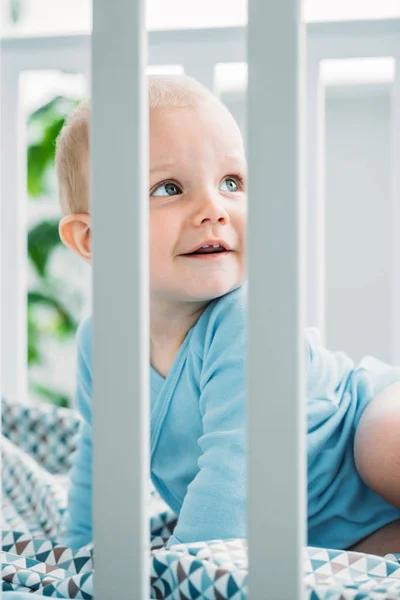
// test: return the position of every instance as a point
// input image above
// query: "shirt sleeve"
(215, 503)
(77, 521)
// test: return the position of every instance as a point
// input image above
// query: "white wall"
(358, 224)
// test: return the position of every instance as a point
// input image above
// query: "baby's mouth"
(209, 250)
(207, 255)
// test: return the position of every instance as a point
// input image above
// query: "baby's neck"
(170, 322)
(169, 325)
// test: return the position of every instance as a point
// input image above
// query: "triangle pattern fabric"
(36, 450)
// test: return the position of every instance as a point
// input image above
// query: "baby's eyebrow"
(163, 166)
(239, 164)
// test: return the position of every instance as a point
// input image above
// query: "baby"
(198, 346)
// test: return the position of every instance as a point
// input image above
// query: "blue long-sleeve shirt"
(198, 435)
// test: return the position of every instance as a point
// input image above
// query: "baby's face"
(197, 196)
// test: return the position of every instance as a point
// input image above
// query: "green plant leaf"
(51, 395)
(34, 354)
(42, 240)
(57, 106)
(44, 126)
(38, 159)
(64, 324)
(48, 120)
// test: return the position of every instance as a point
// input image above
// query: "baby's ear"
(74, 232)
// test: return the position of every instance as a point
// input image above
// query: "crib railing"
(121, 457)
(276, 510)
(276, 319)
(275, 95)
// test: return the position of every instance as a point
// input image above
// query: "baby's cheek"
(157, 240)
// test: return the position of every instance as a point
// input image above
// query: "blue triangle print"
(232, 587)
(317, 563)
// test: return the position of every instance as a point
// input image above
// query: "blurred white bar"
(276, 261)
(224, 44)
(358, 71)
(13, 240)
(395, 191)
(119, 184)
(315, 202)
(71, 53)
(358, 39)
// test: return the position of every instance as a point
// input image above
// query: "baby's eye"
(171, 189)
(231, 183)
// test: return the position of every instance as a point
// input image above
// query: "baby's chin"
(200, 289)
(206, 291)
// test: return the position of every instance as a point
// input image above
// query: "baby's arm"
(215, 503)
(78, 517)
(377, 444)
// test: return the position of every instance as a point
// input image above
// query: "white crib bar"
(395, 193)
(1, 283)
(315, 201)
(119, 152)
(13, 238)
(276, 257)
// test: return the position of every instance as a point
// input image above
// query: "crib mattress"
(211, 570)
(34, 564)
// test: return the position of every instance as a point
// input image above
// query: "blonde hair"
(72, 146)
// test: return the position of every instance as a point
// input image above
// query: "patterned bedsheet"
(36, 453)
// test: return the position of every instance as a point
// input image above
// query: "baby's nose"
(212, 209)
